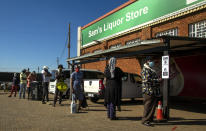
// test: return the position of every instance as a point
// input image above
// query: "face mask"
(151, 64)
(77, 69)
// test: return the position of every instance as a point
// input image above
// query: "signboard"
(137, 14)
(165, 67)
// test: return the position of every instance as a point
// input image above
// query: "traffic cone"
(159, 112)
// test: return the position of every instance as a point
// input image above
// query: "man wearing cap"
(46, 80)
(60, 77)
(77, 84)
(150, 90)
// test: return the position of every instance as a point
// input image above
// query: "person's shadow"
(130, 118)
(182, 121)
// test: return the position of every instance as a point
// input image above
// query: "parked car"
(93, 86)
(87, 74)
(131, 87)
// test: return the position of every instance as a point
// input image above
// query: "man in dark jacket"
(113, 90)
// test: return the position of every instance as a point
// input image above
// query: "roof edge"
(109, 13)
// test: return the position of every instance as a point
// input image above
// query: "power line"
(62, 53)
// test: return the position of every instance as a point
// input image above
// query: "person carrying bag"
(73, 106)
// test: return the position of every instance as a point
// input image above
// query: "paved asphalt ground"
(23, 115)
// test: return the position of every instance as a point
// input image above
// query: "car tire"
(94, 99)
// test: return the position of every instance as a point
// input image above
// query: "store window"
(115, 46)
(198, 29)
(170, 32)
(131, 42)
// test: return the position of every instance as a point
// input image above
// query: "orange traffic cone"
(159, 111)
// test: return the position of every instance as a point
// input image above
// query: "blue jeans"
(111, 111)
(22, 87)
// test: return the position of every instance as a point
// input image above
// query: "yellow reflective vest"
(23, 78)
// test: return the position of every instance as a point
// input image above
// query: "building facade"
(188, 21)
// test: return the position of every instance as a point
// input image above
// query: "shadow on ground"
(130, 118)
(182, 121)
(197, 107)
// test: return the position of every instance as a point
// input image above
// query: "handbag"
(61, 86)
(73, 106)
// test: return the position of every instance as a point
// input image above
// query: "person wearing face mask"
(150, 88)
(77, 85)
(60, 77)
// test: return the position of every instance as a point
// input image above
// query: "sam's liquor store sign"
(135, 15)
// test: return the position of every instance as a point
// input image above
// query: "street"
(23, 115)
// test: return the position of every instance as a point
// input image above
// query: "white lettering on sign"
(110, 26)
(95, 32)
(190, 1)
(135, 14)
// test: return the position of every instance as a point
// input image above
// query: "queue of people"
(27, 80)
(113, 90)
(150, 90)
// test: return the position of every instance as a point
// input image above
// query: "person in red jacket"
(14, 85)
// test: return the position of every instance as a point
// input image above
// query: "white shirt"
(45, 78)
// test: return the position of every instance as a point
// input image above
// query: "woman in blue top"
(77, 84)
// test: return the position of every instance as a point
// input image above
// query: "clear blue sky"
(33, 33)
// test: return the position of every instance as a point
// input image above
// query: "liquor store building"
(142, 28)
(137, 21)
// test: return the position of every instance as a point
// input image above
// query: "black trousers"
(150, 104)
(45, 92)
(58, 93)
(29, 91)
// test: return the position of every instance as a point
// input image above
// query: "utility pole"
(57, 61)
(38, 69)
(69, 66)
(69, 40)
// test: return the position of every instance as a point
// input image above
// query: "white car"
(131, 87)
(87, 74)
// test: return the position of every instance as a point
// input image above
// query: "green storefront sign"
(137, 14)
